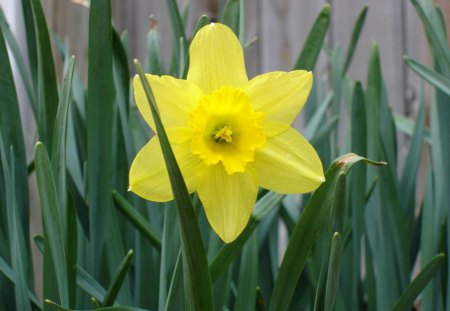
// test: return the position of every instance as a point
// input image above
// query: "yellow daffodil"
(229, 135)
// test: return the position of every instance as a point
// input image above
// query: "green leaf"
(231, 15)
(333, 271)
(175, 290)
(248, 275)
(313, 43)
(196, 274)
(9, 273)
(413, 290)
(53, 231)
(11, 135)
(20, 62)
(178, 32)
(17, 245)
(357, 186)
(138, 221)
(355, 38)
(117, 281)
(435, 35)
(433, 77)
(170, 249)
(56, 307)
(307, 230)
(410, 173)
(58, 154)
(100, 108)
(30, 33)
(87, 283)
(47, 89)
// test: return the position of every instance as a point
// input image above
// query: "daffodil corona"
(229, 134)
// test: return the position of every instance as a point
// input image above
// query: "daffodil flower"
(230, 135)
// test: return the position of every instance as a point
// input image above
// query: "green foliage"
(104, 248)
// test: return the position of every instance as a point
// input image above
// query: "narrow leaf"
(333, 271)
(194, 256)
(117, 281)
(413, 290)
(307, 230)
(313, 43)
(51, 216)
(138, 221)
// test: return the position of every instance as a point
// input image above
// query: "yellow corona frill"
(229, 135)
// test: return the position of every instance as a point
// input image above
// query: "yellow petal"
(175, 99)
(279, 95)
(227, 199)
(148, 173)
(288, 164)
(216, 59)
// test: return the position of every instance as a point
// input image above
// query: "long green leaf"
(9, 273)
(18, 249)
(413, 290)
(178, 33)
(53, 232)
(333, 272)
(117, 281)
(47, 90)
(196, 274)
(313, 43)
(433, 77)
(18, 57)
(357, 184)
(248, 276)
(11, 134)
(58, 154)
(231, 15)
(306, 232)
(138, 221)
(56, 307)
(100, 107)
(355, 38)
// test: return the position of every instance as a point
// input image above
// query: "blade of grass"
(58, 154)
(56, 307)
(138, 221)
(196, 274)
(306, 232)
(313, 43)
(333, 272)
(9, 273)
(434, 78)
(413, 290)
(12, 135)
(100, 108)
(51, 216)
(18, 57)
(178, 32)
(117, 281)
(47, 90)
(169, 251)
(231, 15)
(355, 38)
(248, 276)
(357, 184)
(18, 248)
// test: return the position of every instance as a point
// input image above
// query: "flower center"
(226, 129)
(223, 135)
